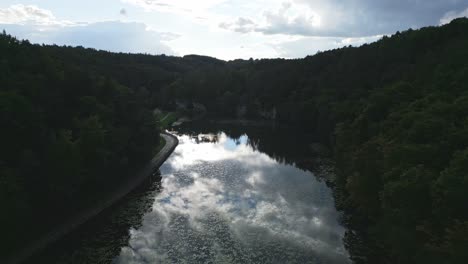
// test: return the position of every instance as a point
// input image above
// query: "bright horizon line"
(193, 54)
(223, 29)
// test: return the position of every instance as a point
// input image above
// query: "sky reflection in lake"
(225, 202)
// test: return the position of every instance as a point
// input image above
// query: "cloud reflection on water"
(225, 202)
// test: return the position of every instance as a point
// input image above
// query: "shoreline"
(86, 215)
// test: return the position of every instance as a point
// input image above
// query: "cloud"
(290, 19)
(449, 16)
(370, 17)
(358, 18)
(29, 14)
(41, 26)
(241, 25)
(233, 29)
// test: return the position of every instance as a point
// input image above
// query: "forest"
(394, 112)
(69, 135)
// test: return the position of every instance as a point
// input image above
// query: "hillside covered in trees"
(394, 112)
(68, 136)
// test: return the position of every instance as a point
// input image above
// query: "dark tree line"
(394, 111)
(69, 135)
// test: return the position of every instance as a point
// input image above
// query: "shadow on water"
(285, 144)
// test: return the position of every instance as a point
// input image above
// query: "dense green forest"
(68, 136)
(394, 112)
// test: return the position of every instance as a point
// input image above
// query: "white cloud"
(41, 26)
(294, 18)
(449, 16)
(230, 29)
(29, 14)
(290, 18)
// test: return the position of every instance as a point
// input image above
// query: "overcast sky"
(226, 29)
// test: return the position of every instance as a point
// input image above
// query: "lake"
(228, 194)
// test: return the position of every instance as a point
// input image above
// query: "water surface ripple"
(222, 201)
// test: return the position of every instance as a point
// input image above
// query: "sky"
(225, 29)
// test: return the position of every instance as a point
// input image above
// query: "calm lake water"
(228, 194)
